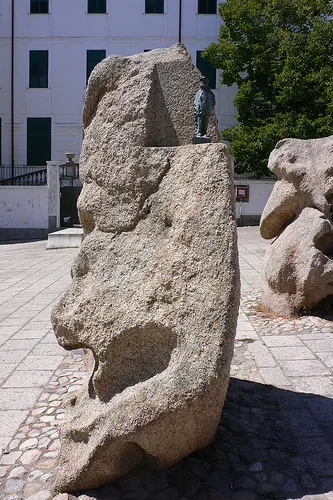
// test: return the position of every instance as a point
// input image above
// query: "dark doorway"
(68, 202)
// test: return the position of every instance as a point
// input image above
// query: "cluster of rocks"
(298, 267)
(266, 323)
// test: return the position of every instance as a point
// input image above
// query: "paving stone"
(261, 355)
(168, 494)
(290, 486)
(10, 458)
(30, 457)
(206, 493)
(156, 484)
(17, 472)
(326, 358)
(255, 467)
(12, 356)
(319, 455)
(277, 477)
(45, 362)
(138, 494)
(302, 423)
(284, 341)
(186, 482)
(246, 483)
(49, 348)
(45, 441)
(19, 344)
(14, 486)
(307, 482)
(14, 321)
(244, 495)
(247, 334)
(34, 475)
(14, 444)
(28, 379)
(4, 337)
(8, 330)
(29, 334)
(274, 376)
(32, 488)
(18, 399)
(320, 345)
(322, 386)
(3, 471)
(266, 489)
(40, 495)
(303, 368)
(45, 478)
(217, 480)
(29, 444)
(293, 352)
(6, 370)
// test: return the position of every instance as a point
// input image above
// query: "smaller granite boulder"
(304, 170)
(298, 266)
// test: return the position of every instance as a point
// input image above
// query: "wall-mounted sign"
(242, 193)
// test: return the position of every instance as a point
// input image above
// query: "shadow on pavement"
(271, 443)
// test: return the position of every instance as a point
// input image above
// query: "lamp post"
(68, 190)
(69, 169)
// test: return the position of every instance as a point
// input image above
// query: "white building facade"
(49, 47)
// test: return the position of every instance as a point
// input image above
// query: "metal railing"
(6, 170)
(27, 175)
(23, 176)
(248, 176)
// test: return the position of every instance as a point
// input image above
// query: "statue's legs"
(203, 125)
(197, 125)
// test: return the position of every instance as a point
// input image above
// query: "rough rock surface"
(304, 170)
(298, 267)
(155, 286)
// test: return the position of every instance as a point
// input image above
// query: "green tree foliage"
(280, 55)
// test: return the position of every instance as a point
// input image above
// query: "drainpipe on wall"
(180, 22)
(12, 90)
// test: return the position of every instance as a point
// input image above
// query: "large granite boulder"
(298, 266)
(155, 289)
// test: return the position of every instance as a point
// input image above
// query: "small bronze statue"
(204, 104)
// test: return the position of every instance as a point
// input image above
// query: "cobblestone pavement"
(275, 435)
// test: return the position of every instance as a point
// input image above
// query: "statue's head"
(204, 81)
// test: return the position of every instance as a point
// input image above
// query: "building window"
(96, 6)
(38, 141)
(94, 57)
(206, 6)
(207, 69)
(38, 69)
(39, 6)
(154, 6)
